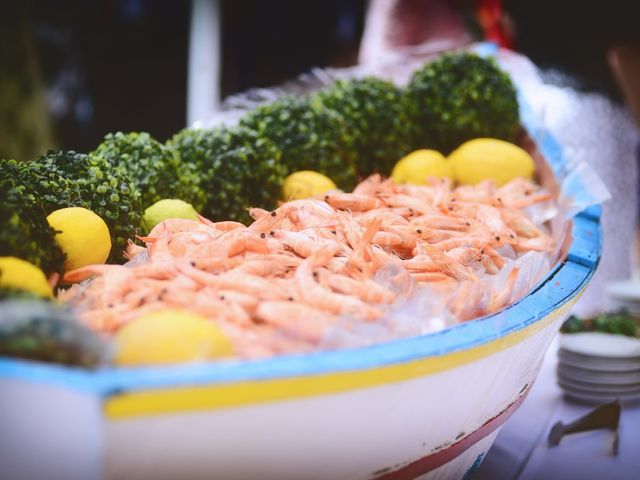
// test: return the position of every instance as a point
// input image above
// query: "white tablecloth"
(521, 450)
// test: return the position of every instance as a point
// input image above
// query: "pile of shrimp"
(279, 284)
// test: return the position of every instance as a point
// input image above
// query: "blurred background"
(73, 70)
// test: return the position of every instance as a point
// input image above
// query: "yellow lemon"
(305, 184)
(490, 159)
(418, 166)
(170, 336)
(22, 275)
(83, 236)
(167, 208)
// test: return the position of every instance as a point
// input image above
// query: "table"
(520, 450)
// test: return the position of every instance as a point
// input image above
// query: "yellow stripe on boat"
(212, 397)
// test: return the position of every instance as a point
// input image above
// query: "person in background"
(585, 86)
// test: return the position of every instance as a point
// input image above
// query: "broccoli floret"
(96, 185)
(459, 97)
(238, 169)
(376, 119)
(155, 168)
(309, 137)
(24, 230)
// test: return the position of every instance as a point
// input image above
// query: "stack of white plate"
(599, 367)
(623, 295)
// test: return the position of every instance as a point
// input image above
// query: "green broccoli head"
(309, 137)
(262, 182)
(376, 119)
(96, 185)
(238, 169)
(155, 169)
(459, 97)
(24, 230)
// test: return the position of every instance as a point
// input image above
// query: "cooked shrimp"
(388, 216)
(501, 298)
(386, 239)
(481, 193)
(459, 242)
(352, 202)
(520, 224)
(426, 277)
(521, 193)
(315, 295)
(465, 255)
(537, 244)
(228, 225)
(407, 235)
(279, 284)
(133, 250)
(447, 264)
(304, 243)
(83, 273)
(491, 259)
(366, 290)
(371, 186)
(174, 225)
(415, 205)
(441, 222)
(421, 263)
(246, 301)
(296, 319)
(491, 217)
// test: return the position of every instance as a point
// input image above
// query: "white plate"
(601, 345)
(601, 364)
(579, 357)
(595, 398)
(628, 290)
(598, 376)
(599, 388)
